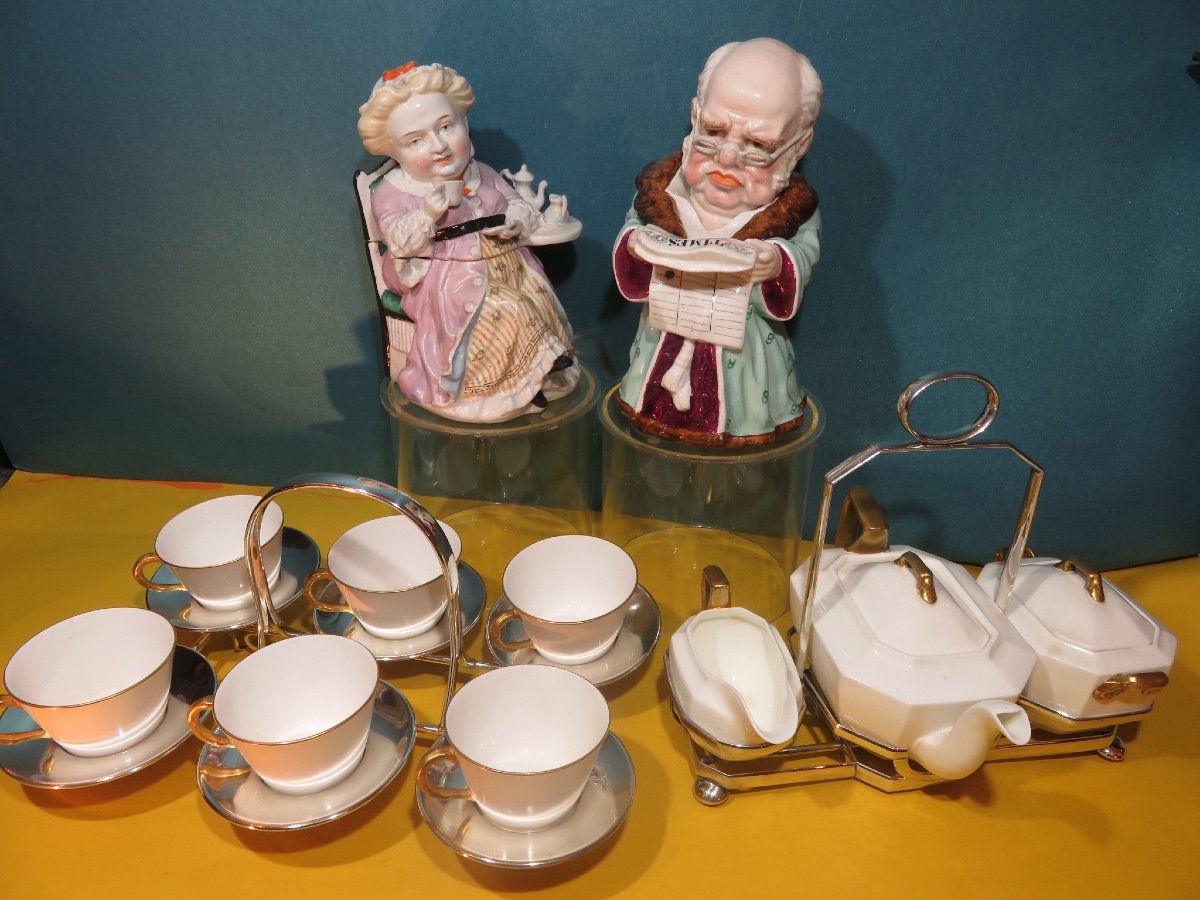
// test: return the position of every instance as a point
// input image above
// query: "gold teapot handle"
(862, 526)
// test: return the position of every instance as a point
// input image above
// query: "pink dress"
(488, 326)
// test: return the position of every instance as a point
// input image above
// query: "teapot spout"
(960, 749)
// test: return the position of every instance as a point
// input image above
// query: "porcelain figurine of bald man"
(719, 246)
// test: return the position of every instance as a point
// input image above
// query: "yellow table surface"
(1065, 827)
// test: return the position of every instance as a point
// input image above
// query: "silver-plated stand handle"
(267, 624)
(926, 443)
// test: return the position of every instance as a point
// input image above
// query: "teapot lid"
(913, 604)
(887, 599)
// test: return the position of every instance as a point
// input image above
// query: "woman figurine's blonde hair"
(398, 85)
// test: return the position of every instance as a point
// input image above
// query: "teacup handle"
(201, 730)
(144, 560)
(312, 591)
(17, 737)
(497, 626)
(426, 781)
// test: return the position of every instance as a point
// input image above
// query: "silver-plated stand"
(268, 627)
(721, 769)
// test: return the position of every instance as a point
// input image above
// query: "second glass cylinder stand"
(677, 508)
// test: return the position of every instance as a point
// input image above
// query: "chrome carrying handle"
(926, 443)
(267, 623)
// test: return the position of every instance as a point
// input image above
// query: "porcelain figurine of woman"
(491, 341)
(721, 241)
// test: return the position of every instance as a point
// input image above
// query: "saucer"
(600, 811)
(301, 556)
(41, 763)
(554, 232)
(635, 641)
(240, 796)
(471, 595)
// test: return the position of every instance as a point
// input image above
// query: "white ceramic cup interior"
(390, 576)
(526, 738)
(570, 592)
(205, 547)
(299, 710)
(97, 683)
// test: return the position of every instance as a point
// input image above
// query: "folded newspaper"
(700, 287)
(694, 254)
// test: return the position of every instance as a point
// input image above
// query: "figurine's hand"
(436, 202)
(521, 220)
(632, 245)
(507, 231)
(766, 261)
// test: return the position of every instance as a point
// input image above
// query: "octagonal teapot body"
(912, 654)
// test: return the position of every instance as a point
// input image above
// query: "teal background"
(1009, 188)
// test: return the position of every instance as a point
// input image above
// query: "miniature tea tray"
(41, 763)
(473, 596)
(635, 642)
(301, 556)
(601, 809)
(241, 797)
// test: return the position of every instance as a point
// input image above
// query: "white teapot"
(912, 654)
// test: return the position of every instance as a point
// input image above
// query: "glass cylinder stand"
(677, 508)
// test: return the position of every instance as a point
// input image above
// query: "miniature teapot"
(911, 653)
(522, 183)
(732, 676)
(1099, 653)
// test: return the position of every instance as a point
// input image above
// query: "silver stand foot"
(709, 792)
(1114, 752)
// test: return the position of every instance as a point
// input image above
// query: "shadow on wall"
(6, 469)
(856, 379)
(343, 384)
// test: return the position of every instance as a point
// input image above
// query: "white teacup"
(525, 738)
(454, 191)
(96, 683)
(205, 547)
(570, 593)
(299, 711)
(389, 577)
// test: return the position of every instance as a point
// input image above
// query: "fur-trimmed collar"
(792, 208)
